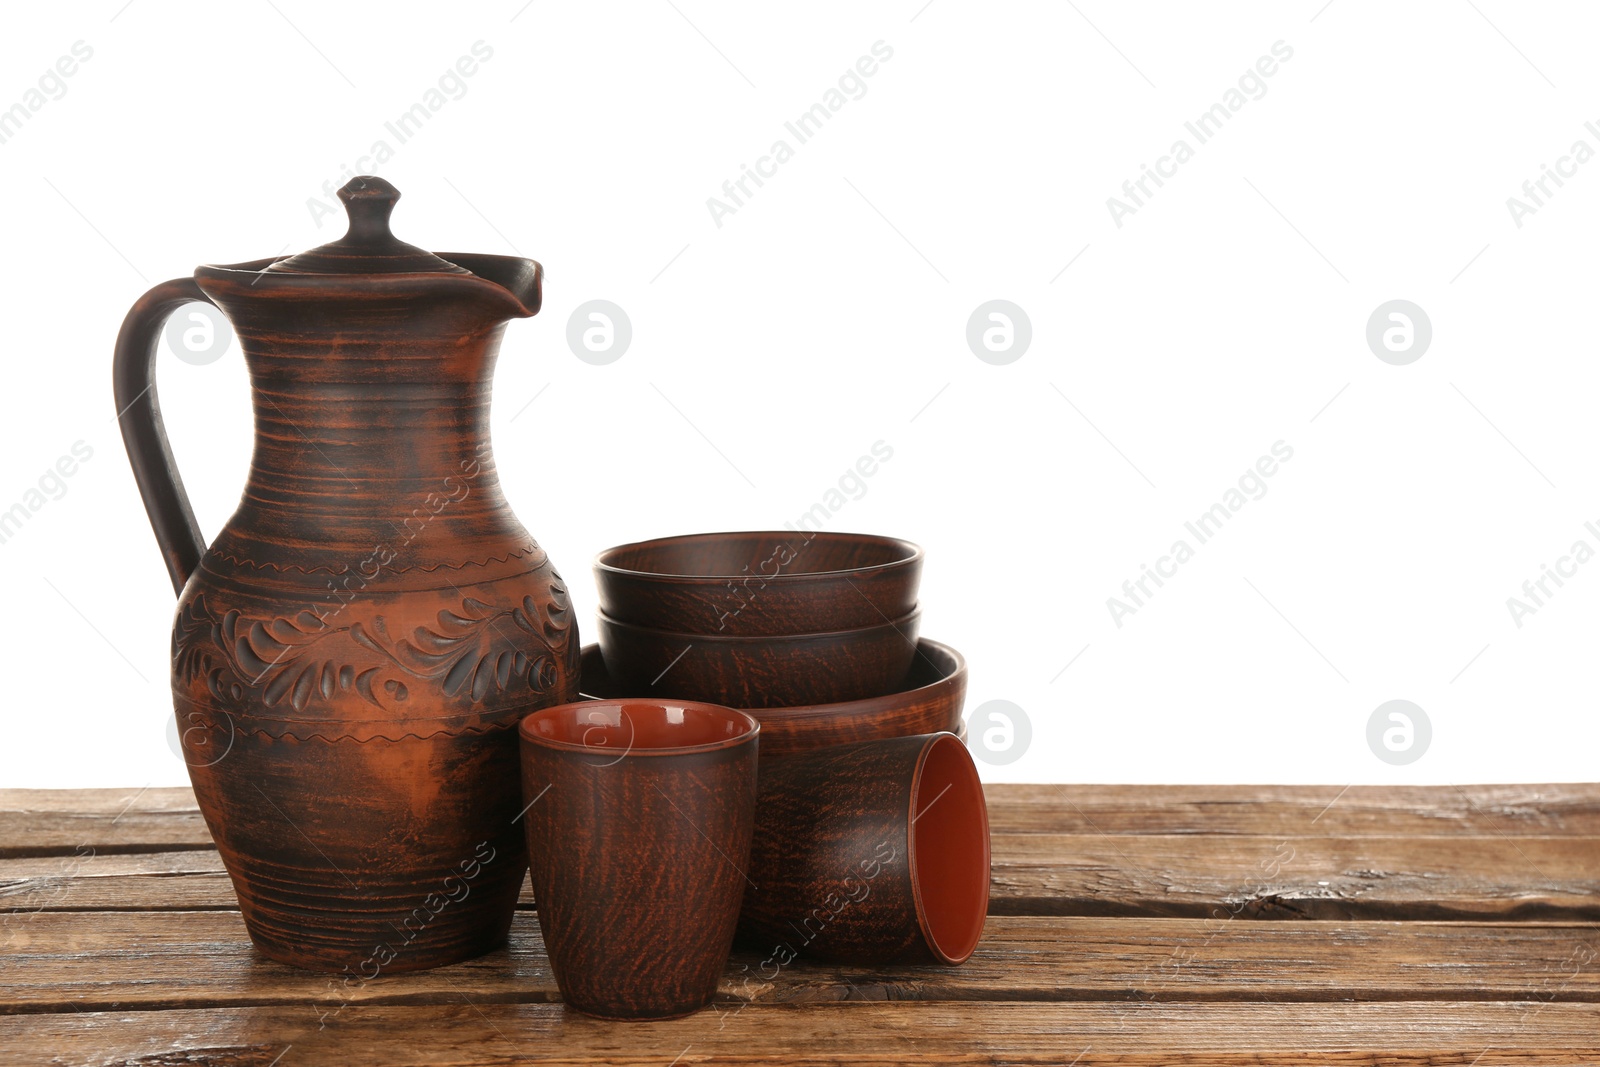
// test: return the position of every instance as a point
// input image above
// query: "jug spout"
(522, 279)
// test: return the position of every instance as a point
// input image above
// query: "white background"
(829, 312)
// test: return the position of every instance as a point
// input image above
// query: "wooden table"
(1129, 925)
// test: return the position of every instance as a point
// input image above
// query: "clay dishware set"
(761, 746)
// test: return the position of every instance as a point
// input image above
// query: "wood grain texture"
(153, 960)
(1260, 877)
(96, 882)
(55, 821)
(1565, 809)
(104, 957)
(866, 1032)
(1305, 877)
(64, 822)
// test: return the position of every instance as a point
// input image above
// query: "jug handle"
(144, 434)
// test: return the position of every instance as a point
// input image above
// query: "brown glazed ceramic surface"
(760, 672)
(929, 700)
(777, 582)
(638, 822)
(352, 651)
(870, 853)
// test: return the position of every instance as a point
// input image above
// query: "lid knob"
(368, 247)
(369, 201)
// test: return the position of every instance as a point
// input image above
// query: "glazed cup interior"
(639, 727)
(949, 851)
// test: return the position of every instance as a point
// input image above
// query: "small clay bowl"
(929, 700)
(760, 583)
(872, 853)
(760, 672)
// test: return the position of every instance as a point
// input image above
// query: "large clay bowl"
(760, 672)
(760, 583)
(929, 700)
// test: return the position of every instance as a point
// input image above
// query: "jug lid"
(368, 247)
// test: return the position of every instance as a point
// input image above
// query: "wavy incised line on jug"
(506, 722)
(394, 568)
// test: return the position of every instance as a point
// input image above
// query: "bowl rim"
(913, 556)
(956, 676)
(910, 617)
(749, 736)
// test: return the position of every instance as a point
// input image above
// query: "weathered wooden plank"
(113, 802)
(184, 880)
(88, 961)
(1315, 877)
(1098, 990)
(45, 822)
(69, 822)
(864, 1032)
(1570, 809)
(1180, 876)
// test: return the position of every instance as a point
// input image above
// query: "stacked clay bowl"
(760, 620)
(928, 701)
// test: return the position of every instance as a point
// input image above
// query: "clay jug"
(353, 651)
